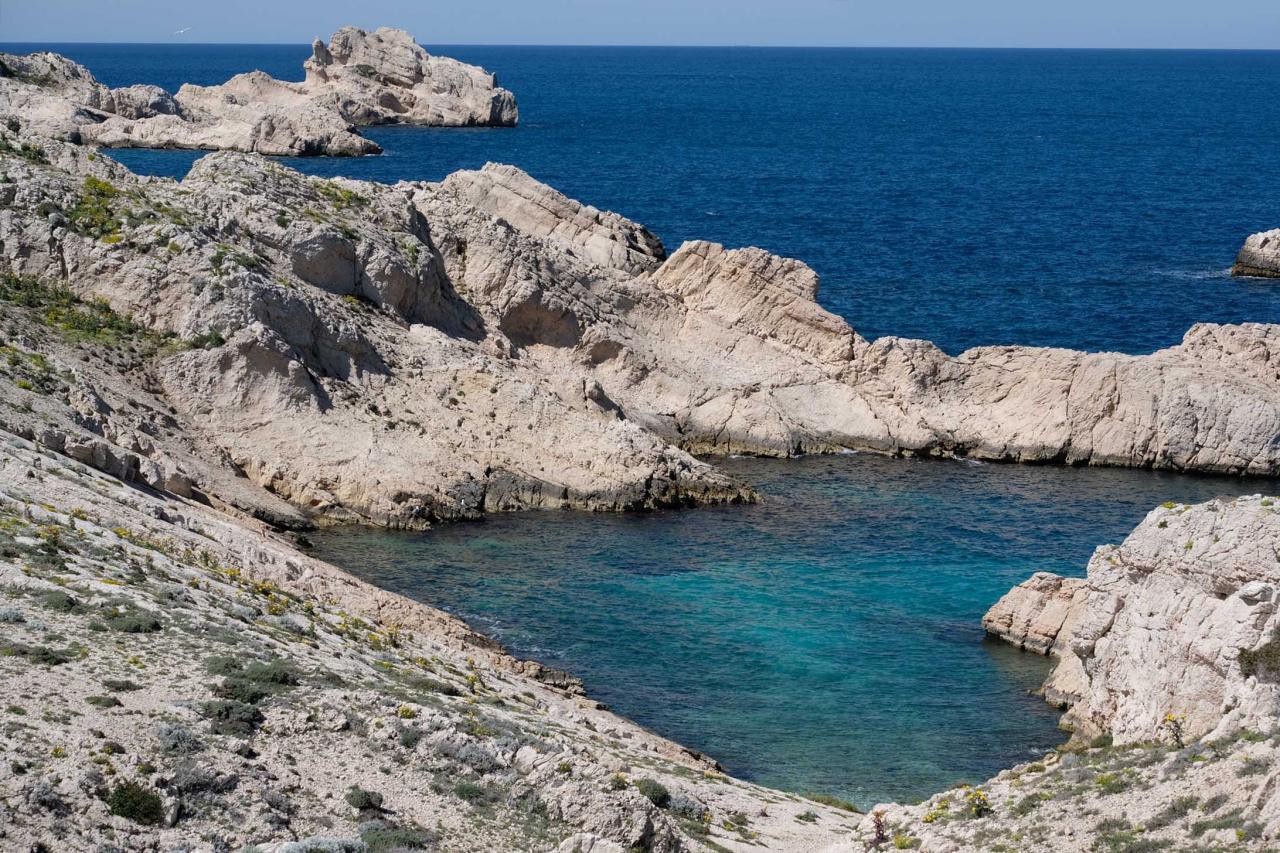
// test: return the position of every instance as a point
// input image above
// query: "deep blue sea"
(828, 640)
(1090, 199)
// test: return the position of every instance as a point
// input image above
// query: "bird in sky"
(181, 31)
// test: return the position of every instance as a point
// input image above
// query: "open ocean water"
(828, 639)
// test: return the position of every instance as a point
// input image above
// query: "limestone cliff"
(1180, 619)
(359, 79)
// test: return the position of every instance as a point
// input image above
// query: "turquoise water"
(826, 640)
(829, 639)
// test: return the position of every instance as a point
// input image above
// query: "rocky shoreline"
(196, 370)
(358, 79)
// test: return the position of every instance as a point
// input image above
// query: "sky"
(1250, 24)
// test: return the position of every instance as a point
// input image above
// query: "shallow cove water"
(826, 640)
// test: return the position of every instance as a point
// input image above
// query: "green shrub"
(103, 701)
(431, 685)
(42, 655)
(134, 622)
(475, 794)
(58, 601)
(391, 839)
(120, 685)
(654, 791)
(834, 802)
(136, 803)
(360, 799)
(1175, 811)
(28, 151)
(229, 717)
(92, 213)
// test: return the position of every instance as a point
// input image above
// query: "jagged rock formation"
(398, 354)
(1181, 618)
(359, 79)
(1259, 256)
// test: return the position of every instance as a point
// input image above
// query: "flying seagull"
(181, 31)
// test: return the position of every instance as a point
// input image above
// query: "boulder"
(1260, 256)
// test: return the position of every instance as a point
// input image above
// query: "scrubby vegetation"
(137, 803)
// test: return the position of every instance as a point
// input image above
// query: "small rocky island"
(1260, 256)
(196, 372)
(358, 79)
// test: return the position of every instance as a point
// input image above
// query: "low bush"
(654, 791)
(136, 803)
(476, 794)
(41, 655)
(361, 800)
(392, 839)
(134, 622)
(834, 802)
(229, 717)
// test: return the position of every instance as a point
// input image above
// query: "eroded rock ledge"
(358, 79)
(401, 354)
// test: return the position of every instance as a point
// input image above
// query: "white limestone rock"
(1259, 256)
(401, 354)
(1180, 619)
(359, 79)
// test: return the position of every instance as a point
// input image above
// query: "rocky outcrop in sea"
(1260, 256)
(1180, 619)
(360, 78)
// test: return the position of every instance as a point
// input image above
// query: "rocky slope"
(359, 79)
(440, 350)
(1260, 255)
(172, 678)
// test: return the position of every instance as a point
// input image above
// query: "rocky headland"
(1259, 256)
(195, 371)
(334, 350)
(358, 79)
(1168, 665)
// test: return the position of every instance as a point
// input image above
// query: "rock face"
(400, 354)
(1039, 614)
(1260, 255)
(385, 77)
(1181, 618)
(359, 79)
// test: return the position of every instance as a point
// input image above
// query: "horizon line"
(729, 46)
